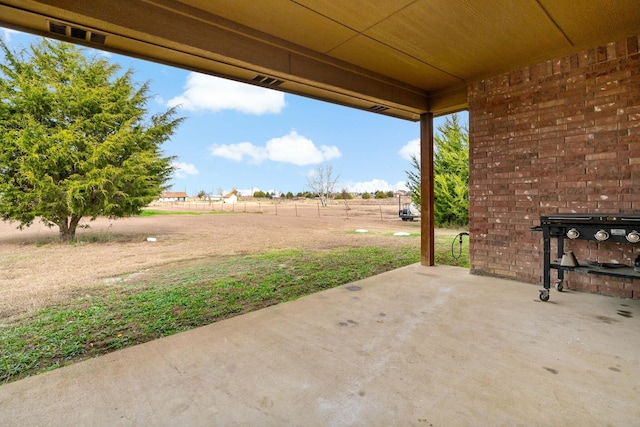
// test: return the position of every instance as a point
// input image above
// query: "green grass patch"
(179, 298)
(182, 296)
(448, 250)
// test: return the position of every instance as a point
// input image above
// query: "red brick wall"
(556, 137)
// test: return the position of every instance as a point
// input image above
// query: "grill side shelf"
(593, 269)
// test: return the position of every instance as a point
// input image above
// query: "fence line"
(348, 210)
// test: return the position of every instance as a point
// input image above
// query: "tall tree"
(450, 174)
(413, 182)
(75, 139)
(322, 182)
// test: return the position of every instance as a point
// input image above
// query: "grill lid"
(598, 218)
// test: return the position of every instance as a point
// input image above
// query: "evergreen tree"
(413, 182)
(450, 174)
(75, 140)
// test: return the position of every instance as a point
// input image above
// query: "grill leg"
(546, 279)
(560, 253)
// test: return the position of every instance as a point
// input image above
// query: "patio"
(424, 346)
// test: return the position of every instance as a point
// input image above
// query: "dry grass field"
(36, 271)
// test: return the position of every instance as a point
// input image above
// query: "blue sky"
(250, 138)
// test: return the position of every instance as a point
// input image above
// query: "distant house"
(173, 196)
(231, 198)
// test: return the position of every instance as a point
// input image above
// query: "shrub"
(381, 195)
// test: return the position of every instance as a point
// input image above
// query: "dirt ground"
(37, 271)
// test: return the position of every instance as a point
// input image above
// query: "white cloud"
(6, 34)
(251, 191)
(369, 186)
(411, 148)
(247, 191)
(291, 148)
(208, 93)
(401, 185)
(298, 150)
(181, 169)
(239, 151)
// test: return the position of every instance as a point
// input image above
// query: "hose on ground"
(458, 237)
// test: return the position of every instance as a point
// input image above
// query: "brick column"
(556, 137)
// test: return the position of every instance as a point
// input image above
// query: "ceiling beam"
(213, 45)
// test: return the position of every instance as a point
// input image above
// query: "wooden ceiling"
(396, 57)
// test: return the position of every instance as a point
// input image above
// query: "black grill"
(600, 227)
(620, 228)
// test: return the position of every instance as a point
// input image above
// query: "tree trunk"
(68, 228)
(64, 230)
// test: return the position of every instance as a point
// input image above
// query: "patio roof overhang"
(411, 59)
(401, 58)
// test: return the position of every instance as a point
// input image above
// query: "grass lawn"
(183, 296)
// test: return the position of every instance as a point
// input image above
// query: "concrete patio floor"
(423, 346)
